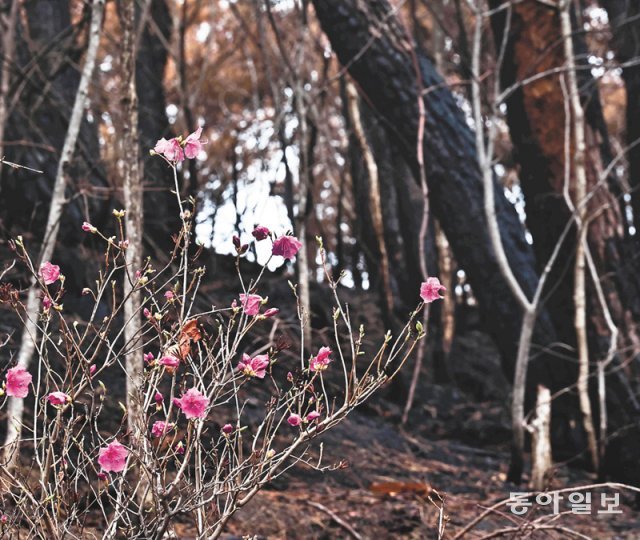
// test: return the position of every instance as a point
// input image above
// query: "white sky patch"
(107, 64)
(256, 204)
(172, 112)
(203, 32)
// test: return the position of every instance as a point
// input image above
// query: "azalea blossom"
(270, 312)
(92, 369)
(170, 149)
(18, 381)
(227, 429)
(169, 295)
(58, 398)
(113, 457)
(286, 246)
(193, 403)
(260, 233)
(430, 290)
(148, 357)
(251, 303)
(193, 143)
(158, 397)
(254, 367)
(87, 227)
(50, 272)
(321, 361)
(46, 302)
(161, 428)
(294, 420)
(170, 362)
(313, 415)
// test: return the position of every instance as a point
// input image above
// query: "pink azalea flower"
(58, 398)
(113, 457)
(271, 312)
(170, 362)
(180, 448)
(260, 233)
(49, 272)
(18, 381)
(148, 357)
(193, 403)
(321, 361)
(294, 420)
(313, 415)
(146, 313)
(430, 290)
(286, 246)
(46, 303)
(169, 295)
(161, 428)
(193, 144)
(254, 367)
(251, 303)
(87, 227)
(92, 369)
(159, 398)
(170, 149)
(227, 429)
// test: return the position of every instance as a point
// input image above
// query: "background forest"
(493, 144)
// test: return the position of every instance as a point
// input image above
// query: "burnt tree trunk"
(624, 18)
(161, 211)
(378, 54)
(537, 122)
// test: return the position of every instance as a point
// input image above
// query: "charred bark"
(624, 18)
(538, 126)
(161, 211)
(370, 42)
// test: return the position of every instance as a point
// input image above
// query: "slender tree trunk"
(541, 441)
(131, 182)
(8, 23)
(375, 205)
(580, 212)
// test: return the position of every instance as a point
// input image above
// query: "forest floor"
(443, 470)
(401, 484)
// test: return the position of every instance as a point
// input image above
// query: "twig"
(16, 166)
(337, 519)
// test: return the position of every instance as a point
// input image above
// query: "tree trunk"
(624, 18)
(133, 223)
(369, 40)
(540, 131)
(161, 212)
